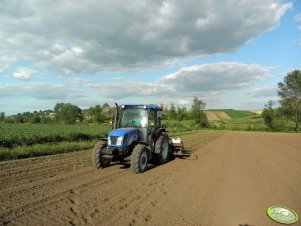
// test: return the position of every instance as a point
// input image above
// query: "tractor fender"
(157, 132)
(155, 135)
(131, 139)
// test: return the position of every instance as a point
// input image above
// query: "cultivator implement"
(178, 149)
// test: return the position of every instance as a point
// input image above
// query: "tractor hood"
(123, 132)
(128, 134)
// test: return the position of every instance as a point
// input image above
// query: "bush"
(250, 128)
(220, 124)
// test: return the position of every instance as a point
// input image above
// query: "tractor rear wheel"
(139, 158)
(162, 149)
(97, 159)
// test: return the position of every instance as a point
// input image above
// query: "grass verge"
(20, 152)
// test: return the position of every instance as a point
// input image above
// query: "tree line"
(67, 113)
(195, 113)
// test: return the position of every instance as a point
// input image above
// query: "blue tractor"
(137, 134)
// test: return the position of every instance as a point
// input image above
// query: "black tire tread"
(135, 158)
(163, 137)
(96, 156)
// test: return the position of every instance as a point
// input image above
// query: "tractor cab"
(145, 119)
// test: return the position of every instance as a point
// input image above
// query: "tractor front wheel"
(139, 158)
(97, 159)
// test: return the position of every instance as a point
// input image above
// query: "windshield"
(133, 118)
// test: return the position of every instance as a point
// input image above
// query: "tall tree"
(198, 114)
(68, 113)
(181, 113)
(108, 111)
(106, 105)
(290, 92)
(58, 107)
(172, 111)
(19, 118)
(2, 116)
(97, 115)
(269, 114)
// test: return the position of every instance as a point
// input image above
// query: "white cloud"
(23, 74)
(125, 89)
(79, 81)
(213, 83)
(6, 62)
(39, 91)
(297, 17)
(107, 36)
(206, 79)
(266, 91)
(218, 76)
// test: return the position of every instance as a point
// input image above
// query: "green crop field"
(28, 134)
(254, 122)
(25, 140)
(236, 113)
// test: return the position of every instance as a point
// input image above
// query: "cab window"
(133, 118)
(152, 119)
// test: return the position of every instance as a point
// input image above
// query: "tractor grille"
(113, 139)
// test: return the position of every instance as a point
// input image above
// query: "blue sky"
(231, 54)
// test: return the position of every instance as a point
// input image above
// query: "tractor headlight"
(119, 141)
(109, 140)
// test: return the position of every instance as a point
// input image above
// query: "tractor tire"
(162, 149)
(139, 158)
(97, 160)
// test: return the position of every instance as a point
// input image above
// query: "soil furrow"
(235, 178)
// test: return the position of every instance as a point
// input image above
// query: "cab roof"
(144, 106)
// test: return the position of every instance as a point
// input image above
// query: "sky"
(230, 54)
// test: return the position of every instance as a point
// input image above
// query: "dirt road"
(236, 177)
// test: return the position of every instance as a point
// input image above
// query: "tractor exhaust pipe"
(115, 117)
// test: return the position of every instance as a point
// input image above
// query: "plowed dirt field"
(236, 177)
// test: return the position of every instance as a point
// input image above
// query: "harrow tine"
(182, 154)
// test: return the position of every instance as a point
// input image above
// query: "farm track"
(236, 177)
